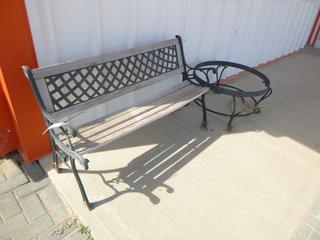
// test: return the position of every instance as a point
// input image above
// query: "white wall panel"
(246, 31)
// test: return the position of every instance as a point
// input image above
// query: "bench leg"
(233, 114)
(204, 112)
(79, 182)
(55, 156)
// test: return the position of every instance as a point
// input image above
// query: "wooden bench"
(67, 90)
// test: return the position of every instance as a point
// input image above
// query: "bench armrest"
(69, 132)
(68, 150)
(65, 125)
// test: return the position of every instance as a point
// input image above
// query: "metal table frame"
(217, 68)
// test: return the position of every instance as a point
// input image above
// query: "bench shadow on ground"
(153, 168)
(291, 112)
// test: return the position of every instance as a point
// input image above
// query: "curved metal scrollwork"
(62, 149)
(62, 145)
(210, 74)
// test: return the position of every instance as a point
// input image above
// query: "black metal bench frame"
(72, 87)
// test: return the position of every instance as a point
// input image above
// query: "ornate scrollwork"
(200, 75)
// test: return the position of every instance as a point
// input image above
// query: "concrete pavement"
(171, 180)
(30, 208)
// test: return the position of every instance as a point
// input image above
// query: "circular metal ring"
(225, 89)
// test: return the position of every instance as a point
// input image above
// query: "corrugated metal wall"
(314, 39)
(245, 31)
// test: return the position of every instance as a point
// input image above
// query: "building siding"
(246, 31)
(250, 32)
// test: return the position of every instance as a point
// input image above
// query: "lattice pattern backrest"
(83, 84)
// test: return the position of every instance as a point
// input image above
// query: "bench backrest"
(81, 84)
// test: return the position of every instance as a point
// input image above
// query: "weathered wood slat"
(119, 113)
(41, 85)
(104, 131)
(51, 70)
(135, 112)
(98, 100)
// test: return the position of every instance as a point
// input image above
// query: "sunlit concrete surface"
(172, 180)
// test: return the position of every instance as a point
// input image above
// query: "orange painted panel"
(16, 49)
(8, 136)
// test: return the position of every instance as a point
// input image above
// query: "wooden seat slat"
(103, 131)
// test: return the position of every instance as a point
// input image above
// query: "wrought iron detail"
(85, 83)
(210, 74)
(80, 85)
